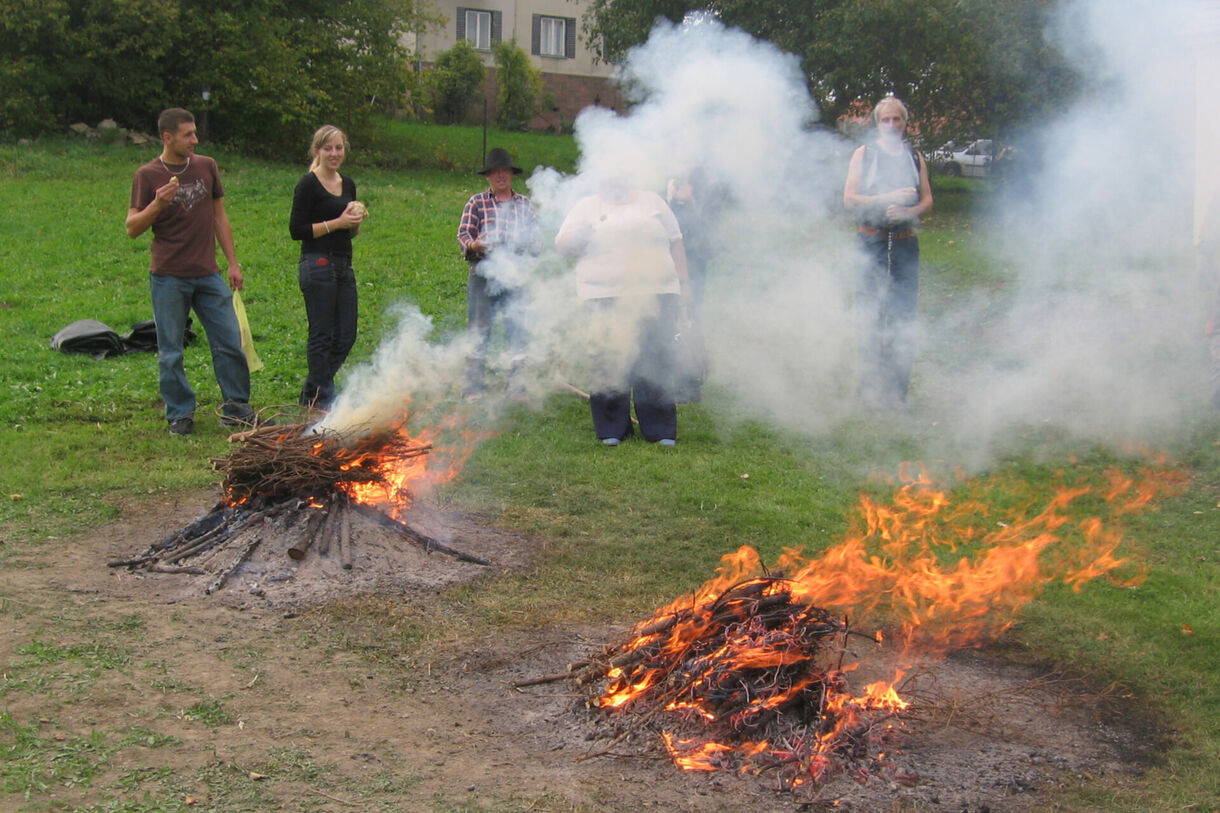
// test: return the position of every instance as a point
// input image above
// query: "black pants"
(329, 285)
(639, 365)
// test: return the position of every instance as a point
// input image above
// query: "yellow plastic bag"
(247, 341)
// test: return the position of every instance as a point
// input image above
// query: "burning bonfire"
(312, 485)
(752, 672)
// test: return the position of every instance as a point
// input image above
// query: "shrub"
(519, 86)
(453, 81)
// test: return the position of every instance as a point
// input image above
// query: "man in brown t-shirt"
(179, 196)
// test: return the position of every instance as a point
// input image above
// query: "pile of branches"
(276, 462)
(751, 665)
(286, 477)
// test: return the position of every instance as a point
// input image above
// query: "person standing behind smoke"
(630, 275)
(695, 203)
(498, 228)
(325, 217)
(888, 190)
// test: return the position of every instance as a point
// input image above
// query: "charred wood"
(426, 542)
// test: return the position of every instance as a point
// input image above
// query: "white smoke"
(1098, 327)
(1093, 323)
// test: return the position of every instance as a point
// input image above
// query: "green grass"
(621, 533)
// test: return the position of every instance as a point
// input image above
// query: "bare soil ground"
(983, 734)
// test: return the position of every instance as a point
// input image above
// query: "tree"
(518, 86)
(453, 80)
(265, 72)
(961, 65)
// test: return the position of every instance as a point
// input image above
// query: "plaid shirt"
(510, 223)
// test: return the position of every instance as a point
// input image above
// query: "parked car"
(971, 161)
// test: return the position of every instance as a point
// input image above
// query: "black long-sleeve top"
(311, 203)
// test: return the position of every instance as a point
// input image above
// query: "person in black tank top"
(887, 190)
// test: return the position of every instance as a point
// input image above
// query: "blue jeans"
(886, 295)
(482, 305)
(329, 286)
(173, 298)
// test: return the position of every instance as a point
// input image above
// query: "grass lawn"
(84, 440)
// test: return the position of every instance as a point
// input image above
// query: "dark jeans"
(173, 299)
(483, 301)
(329, 285)
(641, 367)
(886, 295)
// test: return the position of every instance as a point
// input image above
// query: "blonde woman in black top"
(325, 217)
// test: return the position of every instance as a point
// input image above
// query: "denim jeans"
(329, 285)
(173, 298)
(886, 295)
(482, 305)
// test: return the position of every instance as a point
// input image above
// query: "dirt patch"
(382, 562)
(983, 735)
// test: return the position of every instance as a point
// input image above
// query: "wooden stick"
(212, 537)
(297, 551)
(189, 570)
(538, 681)
(327, 527)
(138, 560)
(426, 542)
(220, 579)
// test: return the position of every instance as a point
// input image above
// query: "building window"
(554, 36)
(551, 38)
(479, 26)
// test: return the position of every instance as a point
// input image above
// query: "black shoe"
(182, 426)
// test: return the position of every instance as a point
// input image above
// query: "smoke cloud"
(1089, 318)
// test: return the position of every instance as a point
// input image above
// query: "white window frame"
(553, 36)
(478, 29)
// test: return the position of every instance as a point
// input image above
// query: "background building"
(547, 30)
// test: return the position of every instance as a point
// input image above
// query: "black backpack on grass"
(99, 340)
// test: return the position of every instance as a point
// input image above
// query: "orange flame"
(939, 572)
(404, 477)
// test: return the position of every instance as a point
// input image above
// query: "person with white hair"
(887, 189)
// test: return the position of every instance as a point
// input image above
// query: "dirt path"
(328, 711)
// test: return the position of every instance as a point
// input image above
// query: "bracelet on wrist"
(326, 226)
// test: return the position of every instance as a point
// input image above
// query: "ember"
(750, 680)
(310, 485)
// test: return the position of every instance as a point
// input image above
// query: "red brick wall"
(569, 95)
(572, 94)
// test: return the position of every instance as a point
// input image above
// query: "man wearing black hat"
(497, 233)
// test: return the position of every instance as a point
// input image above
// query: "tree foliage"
(453, 80)
(961, 65)
(265, 72)
(518, 86)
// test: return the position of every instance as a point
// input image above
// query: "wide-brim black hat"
(498, 158)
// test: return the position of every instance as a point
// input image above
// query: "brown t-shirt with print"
(184, 237)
